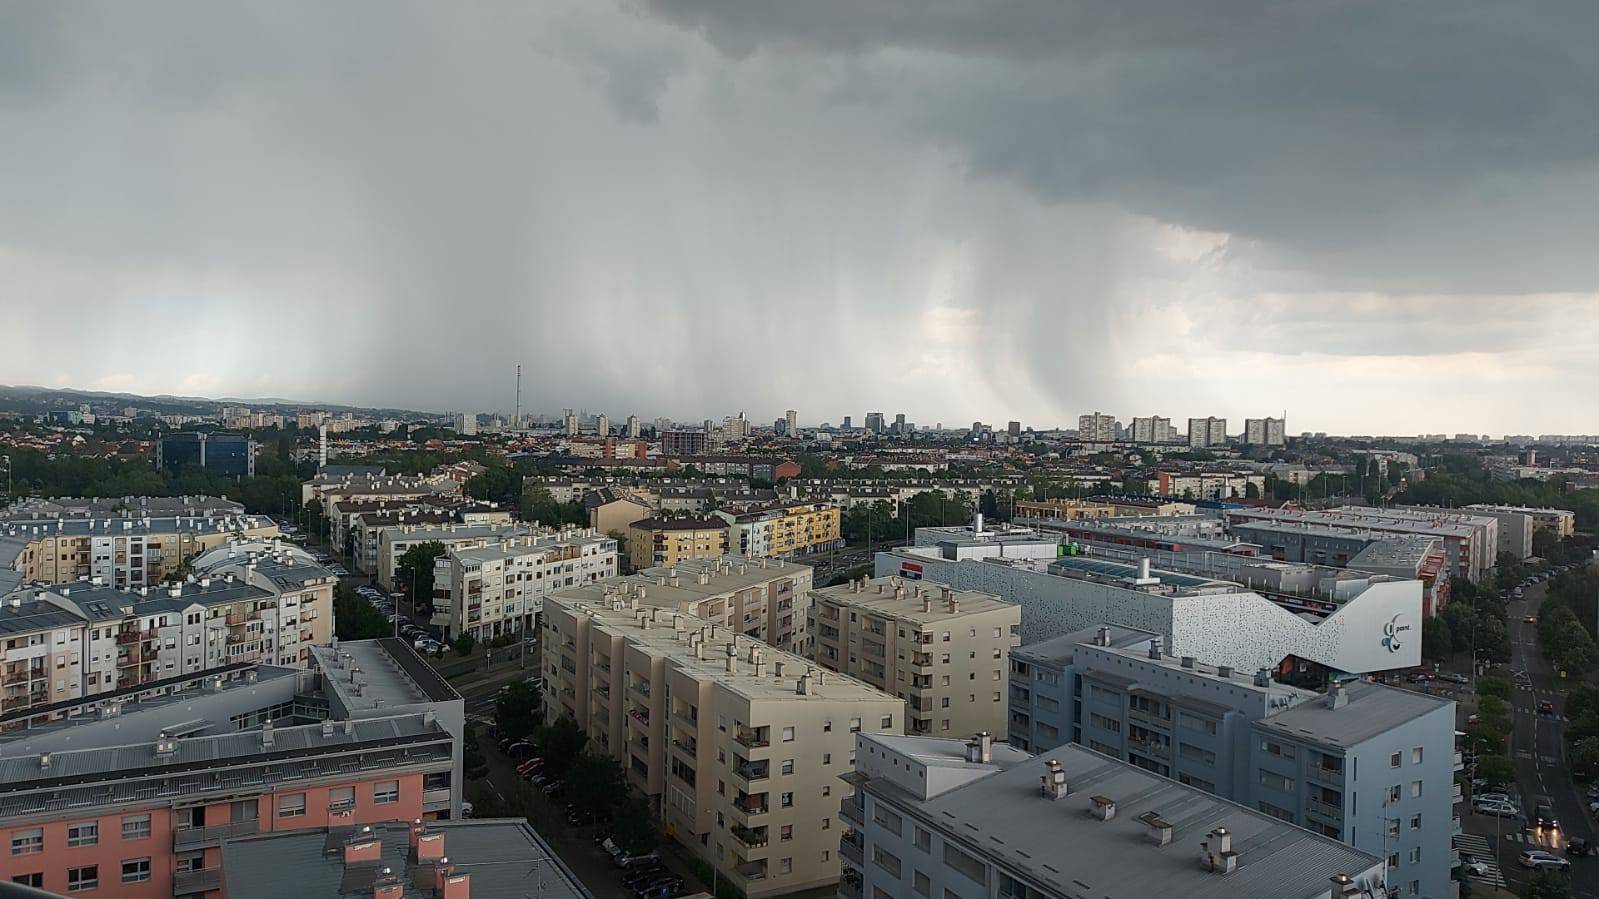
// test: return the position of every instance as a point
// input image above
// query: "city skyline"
(1043, 213)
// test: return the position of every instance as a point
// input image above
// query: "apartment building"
(744, 744)
(613, 509)
(394, 541)
(1096, 428)
(1203, 432)
(943, 651)
(656, 542)
(121, 550)
(1153, 429)
(488, 591)
(1276, 748)
(1064, 509)
(1265, 431)
(1207, 484)
(784, 529)
(764, 599)
(1044, 689)
(365, 527)
(949, 818)
(70, 641)
(34, 508)
(133, 794)
(333, 488)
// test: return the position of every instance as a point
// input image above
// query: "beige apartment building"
(69, 641)
(122, 551)
(1068, 509)
(742, 744)
(670, 541)
(764, 599)
(944, 651)
(394, 541)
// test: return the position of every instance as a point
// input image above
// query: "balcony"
(23, 675)
(1325, 809)
(128, 660)
(1151, 748)
(849, 885)
(752, 804)
(1455, 827)
(1460, 760)
(125, 637)
(201, 881)
(603, 690)
(1326, 773)
(755, 870)
(639, 716)
(752, 837)
(853, 811)
(753, 739)
(1460, 795)
(922, 660)
(200, 837)
(236, 619)
(852, 849)
(752, 771)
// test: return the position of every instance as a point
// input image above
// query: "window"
(788, 735)
(83, 879)
(1271, 747)
(136, 870)
(968, 866)
(888, 722)
(788, 800)
(827, 758)
(921, 884)
(854, 725)
(787, 833)
(788, 766)
(1415, 756)
(386, 792)
(136, 827)
(1393, 760)
(341, 798)
(84, 833)
(1393, 860)
(924, 840)
(1415, 822)
(1393, 828)
(886, 860)
(27, 842)
(1393, 793)
(1415, 788)
(292, 806)
(35, 880)
(1276, 781)
(1415, 855)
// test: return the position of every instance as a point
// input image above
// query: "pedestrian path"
(1479, 848)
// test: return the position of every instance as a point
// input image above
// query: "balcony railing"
(749, 836)
(852, 850)
(853, 811)
(201, 881)
(1325, 809)
(752, 739)
(753, 772)
(196, 837)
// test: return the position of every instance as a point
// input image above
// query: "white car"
(1537, 858)
(1473, 865)
(1498, 809)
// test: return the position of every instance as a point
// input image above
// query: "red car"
(1545, 707)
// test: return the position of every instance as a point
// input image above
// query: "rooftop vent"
(1154, 649)
(1053, 782)
(979, 749)
(1218, 854)
(1158, 829)
(1337, 696)
(1263, 677)
(1102, 807)
(1188, 661)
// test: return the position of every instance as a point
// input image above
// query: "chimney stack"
(429, 845)
(362, 846)
(1337, 696)
(1154, 649)
(1053, 782)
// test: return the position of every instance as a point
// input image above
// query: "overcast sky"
(1382, 218)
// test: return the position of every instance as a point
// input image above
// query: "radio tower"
(516, 420)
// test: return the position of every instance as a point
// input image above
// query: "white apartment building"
(944, 651)
(1153, 429)
(394, 541)
(743, 744)
(487, 591)
(1265, 431)
(1097, 428)
(946, 818)
(1203, 432)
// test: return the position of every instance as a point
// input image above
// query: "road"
(1538, 755)
(828, 565)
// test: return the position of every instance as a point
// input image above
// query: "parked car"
(628, 861)
(519, 750)
(1530, 619)
(1472, 865)
(1539, 859)
(664, 888)
(1492, 797)
(1498, 808)
(1454, 678)
(1577, 846)
(642, 874)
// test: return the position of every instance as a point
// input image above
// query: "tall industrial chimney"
(516, 420)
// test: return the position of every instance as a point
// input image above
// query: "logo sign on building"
(1391, 634)
(910, 571)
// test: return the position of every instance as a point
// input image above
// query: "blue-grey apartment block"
(1368, 764)
(231, 455)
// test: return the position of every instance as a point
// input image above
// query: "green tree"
(516, 711)
(632, 827)
(597, 785)
(1437, 641)
(355, 619)
(560, 744)
(1546, 546)
(1496, 770)
(1495, 685)
(473, 764)
(1584, 756)
(414, 574)
(1548, 885)
(500, 483)
(464, 645)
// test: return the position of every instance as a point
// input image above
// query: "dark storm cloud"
(960, 210)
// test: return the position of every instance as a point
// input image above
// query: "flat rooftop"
(662, 640)
(506, 859)
(969, 536)
(876, 596)
(1372, 710)
(448, 532)
(1397, 551)
(1061, 649)
(1061, 847)
(724, 576)
(389, 672)
(1091, 568)
(517, 547)
(1363, 519)
(119, 526)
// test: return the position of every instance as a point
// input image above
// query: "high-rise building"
(1014, 429)
(891, 634)
(1203, 432)
(848, 423)
(1153, 429)
(743, 743)
(874, 422)
(1096, 428)
(466, 423)
(685, 442)
(569, 422)
(662, 425)
(1265, 431)
(791, 423)
(602, 425)
(899, 424)
(633, 429)
(231, 455)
